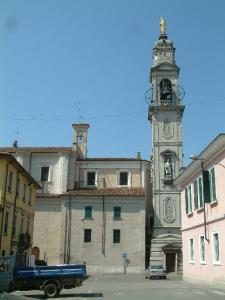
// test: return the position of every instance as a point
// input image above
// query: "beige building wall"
(110, 177)
(47, 229)
(101, 254)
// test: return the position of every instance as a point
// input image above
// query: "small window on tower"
(80, 136)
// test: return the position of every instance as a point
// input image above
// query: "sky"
(68, 61)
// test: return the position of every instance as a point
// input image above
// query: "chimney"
(139, 155)
(15, 144)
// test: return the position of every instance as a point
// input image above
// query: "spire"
(163, 35)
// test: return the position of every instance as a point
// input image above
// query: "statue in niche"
(168, 168)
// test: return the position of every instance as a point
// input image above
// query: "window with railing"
(18, 187)
(14, 226)
(6, 222)
(10, 180)
(24, 192)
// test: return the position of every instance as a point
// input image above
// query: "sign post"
(124, 257)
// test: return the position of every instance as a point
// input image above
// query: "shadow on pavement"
(81, 295)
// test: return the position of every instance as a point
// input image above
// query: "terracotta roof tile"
(130, 192)
(138, 192)
(111, 159)
(45, 195)
(36, 149)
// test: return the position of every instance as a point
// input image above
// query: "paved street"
(135, 287)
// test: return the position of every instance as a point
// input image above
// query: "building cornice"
(213, 220)
(209, 154)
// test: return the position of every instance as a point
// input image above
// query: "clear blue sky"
(56, 53)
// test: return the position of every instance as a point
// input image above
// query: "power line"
(104, 116)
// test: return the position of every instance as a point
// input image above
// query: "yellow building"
(17, 202)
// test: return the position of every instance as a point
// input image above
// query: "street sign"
(124, 255)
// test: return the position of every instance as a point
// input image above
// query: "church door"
(170, 262)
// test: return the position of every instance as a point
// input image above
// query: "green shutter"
(190, 199)
(195, 195)
(186, 200)
(200, 192)
(213, 185)
(117, 212)
(206, 187)
(88, 212)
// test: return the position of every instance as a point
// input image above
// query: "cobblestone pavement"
(135, 287)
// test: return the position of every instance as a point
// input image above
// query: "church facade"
(92, 210)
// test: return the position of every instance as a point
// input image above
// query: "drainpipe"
(103, 225)
(4, 201)
(205, 221)
(14, 210)
(65, 237)
(141, 179)
(69, 233)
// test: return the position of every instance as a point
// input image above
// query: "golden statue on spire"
(162, 26)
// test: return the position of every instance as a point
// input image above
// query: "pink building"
(203, 224)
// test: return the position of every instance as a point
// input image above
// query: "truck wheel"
(51, 290)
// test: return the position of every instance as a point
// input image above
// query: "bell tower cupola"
(164, 72)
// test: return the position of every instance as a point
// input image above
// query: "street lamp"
(196, 157)
(205, 181)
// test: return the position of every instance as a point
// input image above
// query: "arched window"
(165, 89)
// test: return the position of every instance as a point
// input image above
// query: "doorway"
(170, 262)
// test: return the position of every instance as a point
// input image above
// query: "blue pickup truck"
(50, 279)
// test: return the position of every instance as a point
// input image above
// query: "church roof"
(137, 192)
(111, 159)
(36, 149)
(120, 192)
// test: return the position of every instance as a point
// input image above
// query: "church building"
(116, 214)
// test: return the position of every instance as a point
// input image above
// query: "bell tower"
(165, 114)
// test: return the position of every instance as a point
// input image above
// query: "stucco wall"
(132, 226)
(207, 271)
(47, 229)
(193, 227)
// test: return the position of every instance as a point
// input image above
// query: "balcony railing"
(90, 185)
